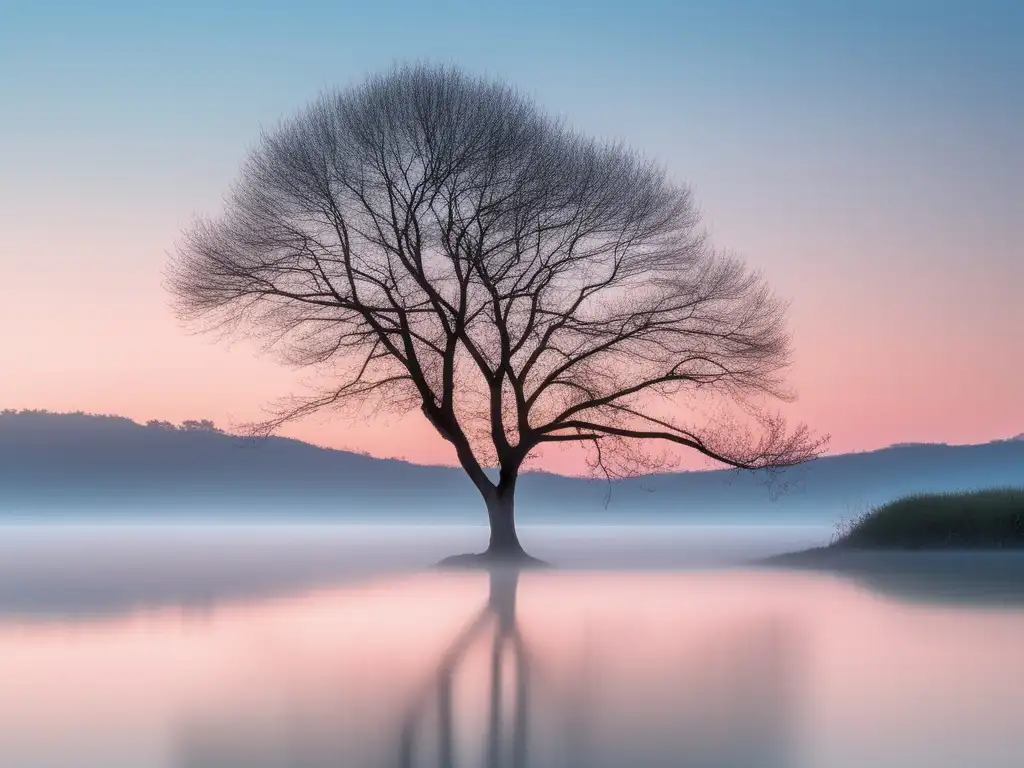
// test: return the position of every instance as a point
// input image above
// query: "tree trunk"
(504, 546)
(504, 541)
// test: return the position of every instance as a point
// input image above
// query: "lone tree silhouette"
(429, 239)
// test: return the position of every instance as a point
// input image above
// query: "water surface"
(288, 646)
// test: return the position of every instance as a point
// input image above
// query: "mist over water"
(283, 645)
(82, 568)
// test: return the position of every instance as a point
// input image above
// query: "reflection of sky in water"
(706, 667)
(72, 570)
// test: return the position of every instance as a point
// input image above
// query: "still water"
(286, 646)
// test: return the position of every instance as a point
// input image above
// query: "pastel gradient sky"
(867, 156)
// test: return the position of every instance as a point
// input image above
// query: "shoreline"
(977, 577)
(831, 555)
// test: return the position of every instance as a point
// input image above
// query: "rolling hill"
(78, 464)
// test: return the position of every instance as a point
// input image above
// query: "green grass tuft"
(988, 519)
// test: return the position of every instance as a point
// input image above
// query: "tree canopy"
(433, 240)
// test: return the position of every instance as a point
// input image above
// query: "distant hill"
(70, 464)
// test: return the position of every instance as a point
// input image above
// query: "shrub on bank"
(988, 519)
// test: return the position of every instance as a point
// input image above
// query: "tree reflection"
(651, 690)
(736, 705)
(499, 614)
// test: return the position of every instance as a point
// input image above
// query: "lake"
(314, 645)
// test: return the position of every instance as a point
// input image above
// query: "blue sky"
(868, 156)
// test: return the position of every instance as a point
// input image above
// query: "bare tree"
(433, 240)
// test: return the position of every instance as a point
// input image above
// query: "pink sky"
(883, 354)
(871, 168)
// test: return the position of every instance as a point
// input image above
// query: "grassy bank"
(989, 519)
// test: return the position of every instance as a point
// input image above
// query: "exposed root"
(490, 559)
